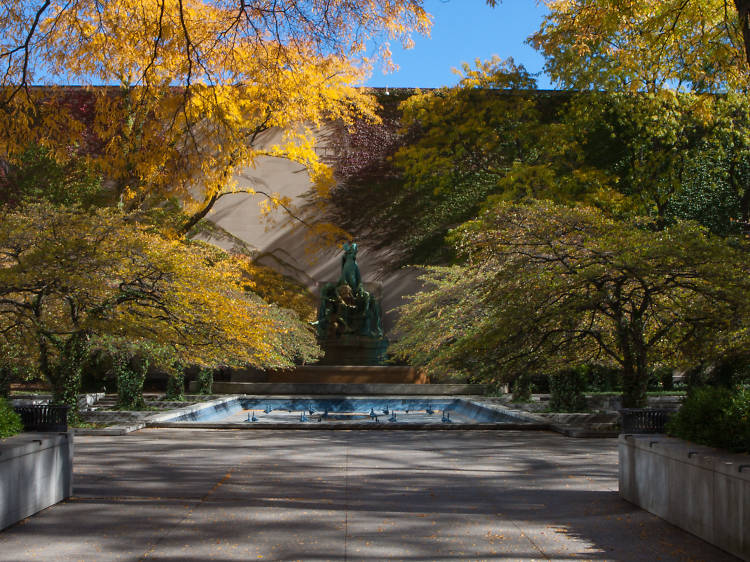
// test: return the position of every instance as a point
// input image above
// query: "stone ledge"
(336, 374)
(585, 432)
(110, 430)
(84, 400)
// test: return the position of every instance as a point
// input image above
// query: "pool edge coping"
(526, 420)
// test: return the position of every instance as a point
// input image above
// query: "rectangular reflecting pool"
(318, 412)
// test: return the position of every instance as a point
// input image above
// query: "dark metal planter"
(644, 420)
(44, 417)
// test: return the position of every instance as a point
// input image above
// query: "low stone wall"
(614, 403)
(36, 471)
(610, 403)
(702, 490)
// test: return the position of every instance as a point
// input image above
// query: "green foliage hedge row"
(10, 421)
(567, 390)
(715, 416)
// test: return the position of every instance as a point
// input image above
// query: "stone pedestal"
(349, 349)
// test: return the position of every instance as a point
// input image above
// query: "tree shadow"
(364, 495)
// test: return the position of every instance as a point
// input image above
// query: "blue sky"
(462, 31)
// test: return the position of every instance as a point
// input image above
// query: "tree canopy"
(640, 45)
(192, 84)
(547, 287)
(67, 275)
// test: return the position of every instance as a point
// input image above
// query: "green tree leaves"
(547, 287)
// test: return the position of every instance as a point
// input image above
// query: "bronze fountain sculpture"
(349, 316)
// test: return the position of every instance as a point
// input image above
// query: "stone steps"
(334, 374)
(347, 389)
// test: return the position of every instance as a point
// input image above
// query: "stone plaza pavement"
(347, 495)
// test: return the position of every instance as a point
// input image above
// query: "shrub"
(540, 383)
(730, 372)
(10, 421)
(176, 386)
(567, 391)
(522, 389)
(737, 421)
(603, 379)
(205, 381)
(661, 379)
(715, 416)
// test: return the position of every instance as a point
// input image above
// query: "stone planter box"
(702, 490)
(36, 471)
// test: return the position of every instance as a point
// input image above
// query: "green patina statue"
(346, 308)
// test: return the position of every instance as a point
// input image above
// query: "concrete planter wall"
(36, 471)
(702, 490)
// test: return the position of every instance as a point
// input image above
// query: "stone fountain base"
(332, 374)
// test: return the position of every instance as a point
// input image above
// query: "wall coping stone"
(192, 408)
(31, 442)
(736, 465)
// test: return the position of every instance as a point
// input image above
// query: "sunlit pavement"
(335, 495)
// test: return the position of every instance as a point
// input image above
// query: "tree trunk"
(634, 366)
(745, 207)
(743, 10)
(6, 375)
(198, 215)
(634, 386)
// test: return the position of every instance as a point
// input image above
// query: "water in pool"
(326, 411)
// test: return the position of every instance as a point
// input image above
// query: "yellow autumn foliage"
(646, 45)
(192, 85)
(67, 273)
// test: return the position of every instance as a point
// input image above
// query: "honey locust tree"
(639, 45)
(191, 85)
(546, 287)
(68, 275)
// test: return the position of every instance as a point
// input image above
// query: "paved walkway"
(336, 495)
